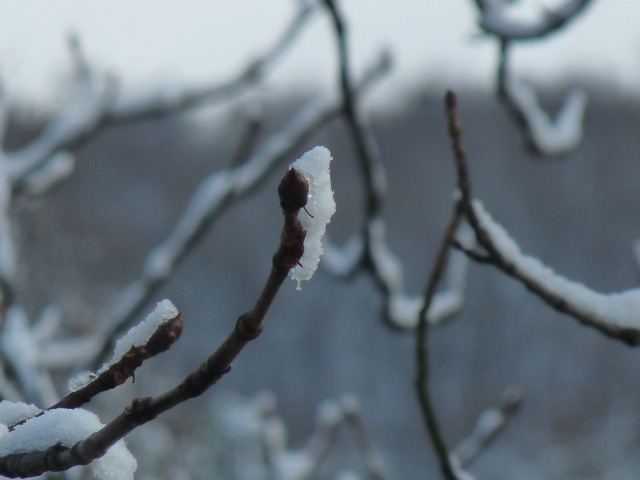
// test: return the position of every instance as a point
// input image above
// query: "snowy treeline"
(56, 368)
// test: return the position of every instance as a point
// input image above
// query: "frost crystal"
(314, 166)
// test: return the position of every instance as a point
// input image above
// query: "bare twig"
(422, 350)
(422, 331)
(249, 138)
(7, 247)
(293, 196)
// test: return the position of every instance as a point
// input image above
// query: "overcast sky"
(432, 41)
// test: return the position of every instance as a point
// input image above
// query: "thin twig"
(422, 331)
(624, 332)
(422, 349)
(248, 139)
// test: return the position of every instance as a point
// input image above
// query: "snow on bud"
(314, 166)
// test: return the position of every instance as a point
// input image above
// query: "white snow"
(617, 309)
(14, 412)
(68, 427)
(314, 166)
(81, 380)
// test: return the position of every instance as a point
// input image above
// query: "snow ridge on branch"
(545, 137)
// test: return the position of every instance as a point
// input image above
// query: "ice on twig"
(314, 166)
(66, 427)
(615, 309)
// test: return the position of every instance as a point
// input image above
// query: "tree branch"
(293, 192)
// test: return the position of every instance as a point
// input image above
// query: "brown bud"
(293, 191)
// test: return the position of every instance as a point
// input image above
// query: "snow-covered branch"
(368, 251)
(545, 136)
(497, 20)
(154, 335)
(100, 102)
(615, 315)
(253, 439)
(20, 351)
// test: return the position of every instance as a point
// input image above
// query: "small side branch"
(614, 315)
(102, 104)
